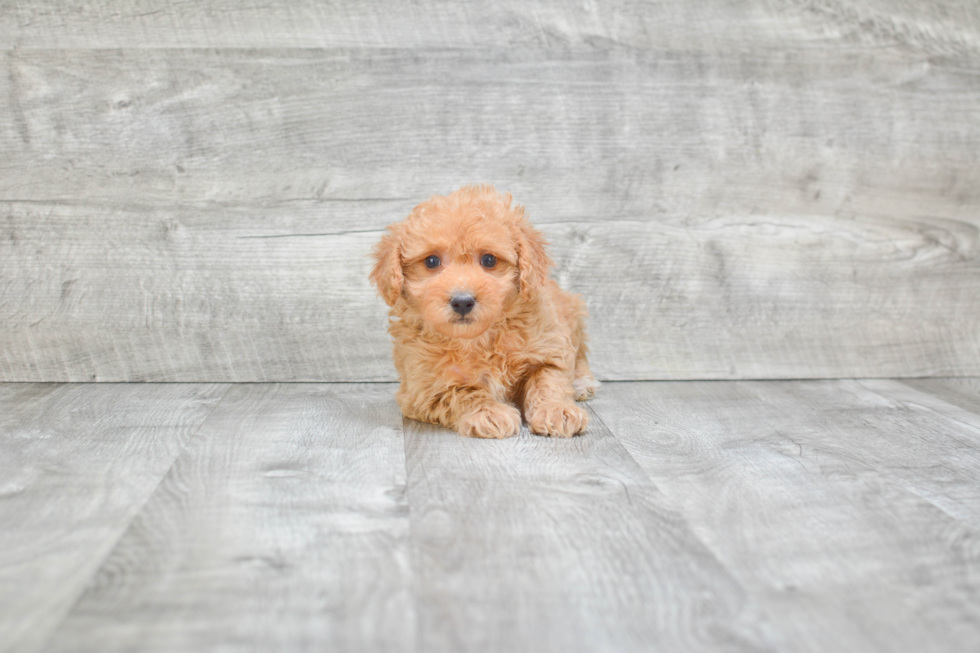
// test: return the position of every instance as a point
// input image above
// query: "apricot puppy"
(480, 332)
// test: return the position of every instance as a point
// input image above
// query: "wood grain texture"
(697, 516)
(676, 24)
(929, 447)
(538, 544)
(181, 295)
(584, 132)
(963, 392)
(189, 295)
(77, 464)
(283, 527)
(847, 516)
(751, 189)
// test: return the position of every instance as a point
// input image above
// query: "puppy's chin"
(461, 328)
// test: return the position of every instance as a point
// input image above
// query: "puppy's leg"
(473, 412)
(549, 407)
(584, 384)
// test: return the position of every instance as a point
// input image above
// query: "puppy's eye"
(488, 260)
(432, 262)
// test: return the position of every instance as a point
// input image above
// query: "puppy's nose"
(462, 303)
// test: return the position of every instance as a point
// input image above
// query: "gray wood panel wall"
(740, 189)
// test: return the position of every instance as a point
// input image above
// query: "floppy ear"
(387, 272)
(532, 259)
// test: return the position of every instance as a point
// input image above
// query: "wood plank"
(187, 295)
(249, 294)
(77, 464)
(809, 493)
(929, 447)
(941, 27)
(538, 544)
(283, 527)
(739, 298)
(915, 400)
(962, 392)
(827, 131)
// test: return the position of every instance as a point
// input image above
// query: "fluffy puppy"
(480, 332)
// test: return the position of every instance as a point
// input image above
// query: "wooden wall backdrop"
(740, 188)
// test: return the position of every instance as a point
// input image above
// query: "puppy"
(480, 332)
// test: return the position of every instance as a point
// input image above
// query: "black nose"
(462, 304)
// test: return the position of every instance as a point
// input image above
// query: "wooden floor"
(708, 516)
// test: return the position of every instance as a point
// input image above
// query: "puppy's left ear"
(387, 273)
(533, 261)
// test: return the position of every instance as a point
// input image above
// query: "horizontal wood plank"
(192, 294)
(283, 527)
(849, 518)
(181, 295)
(929, 24)
(77, 463)
(583, 132)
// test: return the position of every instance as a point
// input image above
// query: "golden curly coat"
(480, 331)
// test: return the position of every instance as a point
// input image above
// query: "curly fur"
(522, 348)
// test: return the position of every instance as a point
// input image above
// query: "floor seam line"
(135, 516)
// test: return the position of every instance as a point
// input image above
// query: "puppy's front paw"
(491, 421)
(560, 419)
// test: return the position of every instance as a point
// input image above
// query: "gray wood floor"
(713, 516)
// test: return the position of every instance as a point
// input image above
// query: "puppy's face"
(461, 261)
(461, 276)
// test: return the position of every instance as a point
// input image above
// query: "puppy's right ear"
(387, 272)
(533, 261)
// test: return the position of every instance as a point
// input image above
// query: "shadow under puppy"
(479, 328)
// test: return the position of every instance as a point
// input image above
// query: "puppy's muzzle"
(462, 303)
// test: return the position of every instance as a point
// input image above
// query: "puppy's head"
(461, 261)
